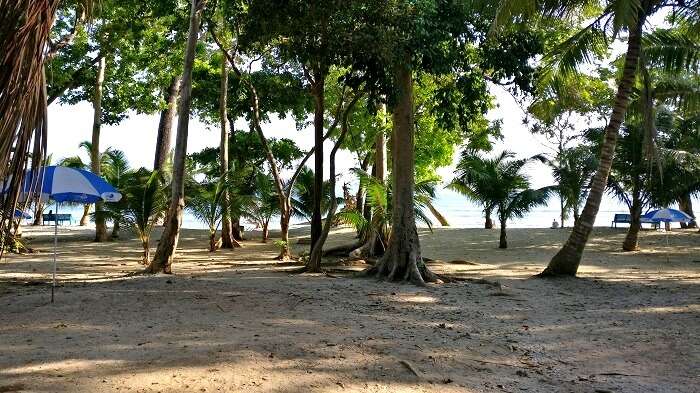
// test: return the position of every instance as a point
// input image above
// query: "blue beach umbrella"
(21, 214)
(63, 184)
(668, 215)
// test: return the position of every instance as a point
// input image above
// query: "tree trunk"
(100, 222)
(685, 204)
(213, 244)
(567, 260)
(85, 216)
(165, 125)
(265, 232)
(503, 239)
(316, 255)
(38, 214)
(115, 230)
(402, 260)
(162, 261)
(488, 224)
(631, 242)
(360, 198)
(236, 228)
(562, 215)
(319, 109)
(227, 240)
(145, 243)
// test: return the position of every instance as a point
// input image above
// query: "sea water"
(458, 210)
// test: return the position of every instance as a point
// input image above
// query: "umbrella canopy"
(63, 184)
(21, 214)
(668, 215)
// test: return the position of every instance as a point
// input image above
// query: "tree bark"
(100, 224)
(402, 260)
(317, 251)
(265, 232)
(503, 239)
(685, 204)
(236, 228)
(318, 91)
(85, 216)
(165, 125)
(488, 223)
(567, 260)
(631, 242)
(163, 258)
(227, 240)
(115, 230)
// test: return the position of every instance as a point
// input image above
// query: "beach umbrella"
(63, 184)
(668, 215)
(20, 214)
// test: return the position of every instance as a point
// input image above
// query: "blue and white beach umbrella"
(668, 215)
(20, 214)
(63, 184)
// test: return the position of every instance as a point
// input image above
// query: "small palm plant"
(144, 203)
(205, 204)
(375, 232)
(262, 205)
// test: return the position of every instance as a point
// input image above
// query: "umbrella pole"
(55, 246)
(667, 246)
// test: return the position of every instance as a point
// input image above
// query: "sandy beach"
(237, 321)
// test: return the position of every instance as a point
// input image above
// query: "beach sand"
(236, 321)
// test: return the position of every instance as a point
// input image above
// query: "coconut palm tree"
(573, 170)
(262, 205)
(499, 184)
(143, 204)
(475, 179)
(205, 203)
(615, 17)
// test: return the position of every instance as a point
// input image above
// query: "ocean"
(460, 213)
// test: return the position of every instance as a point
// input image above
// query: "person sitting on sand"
(555, 224)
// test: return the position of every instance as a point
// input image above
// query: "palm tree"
(115, 169)
(475, 179)
(205, 203)
(615, 17)
(376, 231)
(499, 184)
(302, 196)
(573, 170)
(262, 205)
(143, 204)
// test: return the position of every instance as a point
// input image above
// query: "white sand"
(235, 321)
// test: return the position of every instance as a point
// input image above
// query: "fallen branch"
(410, 368)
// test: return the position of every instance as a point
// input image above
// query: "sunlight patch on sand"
(68, 365)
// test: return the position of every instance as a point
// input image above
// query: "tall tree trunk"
(163, 258)
(319, 110)
(115, 230)
(631, 242)
(100, 222)
(503, 239)
(85, 216)
(562, 215)
(360, 198)
(265, 232)
(567, 260)
(317, 251)
(403, 260)
(227, 240)
(146, 245)
(165, 125)
(488, 223)
(38, 215)
(236, 228)
(685, 204)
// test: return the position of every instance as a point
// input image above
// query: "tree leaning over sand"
(614, 17)
(162, 260)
